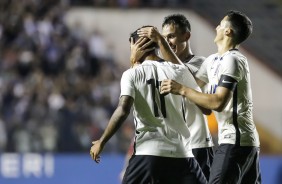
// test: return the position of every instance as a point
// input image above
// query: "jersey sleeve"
(231, 67)
(127, 84)
(202, 73)
(194, 64)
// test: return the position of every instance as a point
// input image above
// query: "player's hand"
(170, 86)
(150, 32)
(138, 49)
(95, 151)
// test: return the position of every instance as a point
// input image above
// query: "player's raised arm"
(167, 52)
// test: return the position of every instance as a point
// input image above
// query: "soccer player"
(227, 73)
(161, 143)
(176, 29)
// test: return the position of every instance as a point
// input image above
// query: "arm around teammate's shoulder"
(216, 101)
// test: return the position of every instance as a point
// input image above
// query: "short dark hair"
(241, 24)
(135, 37)
(178, 19)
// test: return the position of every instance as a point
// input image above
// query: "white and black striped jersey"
(161, 129)
(198, 124)
(235, 122)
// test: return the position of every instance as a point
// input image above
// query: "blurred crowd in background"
(58, 88)
(59, 85)
(130, 3)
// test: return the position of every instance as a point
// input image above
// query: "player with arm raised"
(227, 73)
(162, 139)
(175, 46)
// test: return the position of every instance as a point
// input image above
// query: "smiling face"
(176, 38)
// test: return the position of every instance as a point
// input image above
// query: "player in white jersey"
(228, 76)
(176, 30)
(162, 139)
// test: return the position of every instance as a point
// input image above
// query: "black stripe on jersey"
(183, 109)
(227, 82)
(136, 132)
(235, 115)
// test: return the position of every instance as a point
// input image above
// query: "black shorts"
(145, 169)
(235, 164)
(204, 157)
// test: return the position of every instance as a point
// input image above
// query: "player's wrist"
(183, 91)
(133, 60)
(102, 141)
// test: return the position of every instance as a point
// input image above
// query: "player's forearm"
(167, 52)
(115, 122)
(207, 101)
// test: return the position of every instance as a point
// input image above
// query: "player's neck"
(186, 55)
(225, 46)
(152, 57)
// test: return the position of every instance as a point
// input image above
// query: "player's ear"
(228, 31)
(187, 36)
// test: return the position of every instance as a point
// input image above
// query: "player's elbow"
(124, 112)
(120, 115)
(219, 108)
(124, 106)
(205, 111)
(219, 105)
(221, 98)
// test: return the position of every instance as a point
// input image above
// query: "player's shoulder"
(168, 64)
(182, 68)
(151, 63)
(145, 65)
(132, 71)
(233, 58)
(211, 57)
(162, 65)
(235, 54)
(128, 71)
(198, 59)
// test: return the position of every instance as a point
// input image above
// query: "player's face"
(177, 40)
(220, 29)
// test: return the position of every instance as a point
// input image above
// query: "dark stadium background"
(59, 82)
